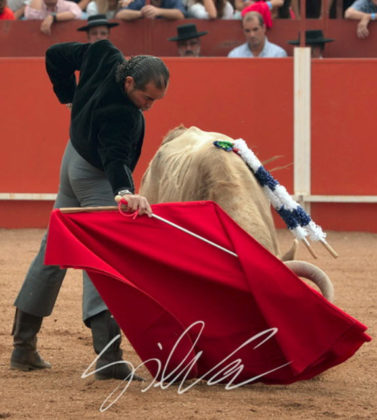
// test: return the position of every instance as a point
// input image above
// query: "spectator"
(257, 44)
(51, 11)
(137, 9)
(106, 7)
(98, 28)
(263, 9)
(315, 40)
(5, 12)
(188, 40)
(209, 9)
(273, 5)
(364, 11)
(17, 7)
(280, 9)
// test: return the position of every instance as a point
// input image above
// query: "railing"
(24, 38)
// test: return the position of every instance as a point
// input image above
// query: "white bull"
(188, 167)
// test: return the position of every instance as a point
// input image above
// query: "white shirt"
(14, 5)
(197, 10)
(269, 50)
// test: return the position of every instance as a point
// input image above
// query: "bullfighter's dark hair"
(144, 69)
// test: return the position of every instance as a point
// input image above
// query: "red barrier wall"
(252, 99)
(24, 38)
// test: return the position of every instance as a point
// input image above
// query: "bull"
(187, 167)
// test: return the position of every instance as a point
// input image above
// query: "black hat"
(187, 31)
(97, 20)
(312, 37)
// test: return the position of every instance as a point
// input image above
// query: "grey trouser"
(81, 185)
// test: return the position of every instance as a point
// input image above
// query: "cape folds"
(159, 281)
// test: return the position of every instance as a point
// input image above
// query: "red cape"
(158, 281)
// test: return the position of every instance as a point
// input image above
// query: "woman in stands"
(209, 9)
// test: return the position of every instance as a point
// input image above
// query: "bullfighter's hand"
(135, 202)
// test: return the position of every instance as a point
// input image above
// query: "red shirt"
(7, 14)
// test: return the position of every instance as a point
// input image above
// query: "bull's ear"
(174, 133)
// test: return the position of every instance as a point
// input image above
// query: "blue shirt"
(365, 6)
(269, 50)
(165, 4)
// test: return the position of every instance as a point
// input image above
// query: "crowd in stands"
(188, 38)
(257, 17)
(180, 9)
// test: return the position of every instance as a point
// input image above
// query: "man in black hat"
(315, 40)
(97, 28)
(188, 40)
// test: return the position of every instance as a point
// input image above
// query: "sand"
(347, 391)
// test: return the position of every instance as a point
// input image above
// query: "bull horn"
(291, 253)
(315, 274)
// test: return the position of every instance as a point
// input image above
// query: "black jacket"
(107, 129)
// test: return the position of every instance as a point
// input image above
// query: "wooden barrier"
(251, 99)
(24, 38)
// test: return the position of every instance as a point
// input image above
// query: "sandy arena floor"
(348, 391)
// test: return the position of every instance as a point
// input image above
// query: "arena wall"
(251, 99)
(24, 38)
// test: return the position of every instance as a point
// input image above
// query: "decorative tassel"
(294, 216)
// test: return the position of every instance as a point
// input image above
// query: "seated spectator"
(17, 7)
(364, 11)
(262, 8)
(51, 11)
(257, 44)
(315, 40)
(188, 40)
(98, 28)
(278, 8)
(106, 7)
(5, 12)
(137, 9)
(209, 9)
